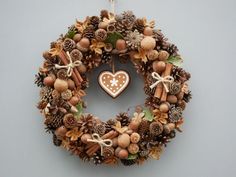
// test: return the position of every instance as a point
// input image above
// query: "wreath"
(98, 40)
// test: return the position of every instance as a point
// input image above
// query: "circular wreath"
(130, 139)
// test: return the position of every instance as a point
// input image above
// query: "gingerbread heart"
(114, 84)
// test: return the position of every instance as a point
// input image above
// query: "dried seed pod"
(164, 107)
(120, 44)
(62, 74)
(66, 95)
(133, 148)
(148, 31)
(172, 99)
(83, 44)
(60, 85)
(101, 35)
(168, 128)
(156, 128)
(163, 55)
(175, 114)
(123, 154)
(49, 81)
(111, 28)
(55, 94)
(134, 137)
(159, 66)
(77, 37)
(69, 121)
(74, 100)
(71, 84)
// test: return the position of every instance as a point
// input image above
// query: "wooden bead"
(115, 142)
(124, 140)
(71, 84)
(60, 85)
(163, 55)
(82, 68)
(85, 137)
(148, 31)
(172, 99)
(148, 43)
(61, 132)
(159, 66)
(74, 100)
(83, 44)
(164, 107)
(48, 81)
(123, 154)
(120, 44)
(77, 37)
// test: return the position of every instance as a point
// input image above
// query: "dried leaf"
(132, 156)
(113, 37)
(177, 61)
(148, 115)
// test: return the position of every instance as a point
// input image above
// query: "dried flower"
(69, 121)
(66, 95)
(56, 50)
(74, 134)
(82, 25)
(133, 39)
(62, 74)
(160, 116)
(97, 46)
(156, 152)
(119, 128)
(141, 54)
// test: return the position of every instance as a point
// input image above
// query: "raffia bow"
(163, 80)
(69, 66)
(102, 142)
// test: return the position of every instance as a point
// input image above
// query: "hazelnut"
(77, 37)
(120, 44)
(164, 107)
(133, 148)
(172, 99)
(135, 137)
(153, 55)
(134, 125)
(74, 100)
(159, 66)
(124, 140)
(148, 31)
(60, 85)
(82, 68)
(148, 43)
(85, 137)
(60, 132)
(83, 44)
(123, 154)
(71, 84)
(163, 55)
(48, 81)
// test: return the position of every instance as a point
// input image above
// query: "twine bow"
(69, 66)
(102, 142)
(163, 80)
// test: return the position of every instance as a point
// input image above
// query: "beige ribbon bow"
(69, 66)
(102, 142)
(163, 80)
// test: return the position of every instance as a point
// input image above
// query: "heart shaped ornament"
(114, 83)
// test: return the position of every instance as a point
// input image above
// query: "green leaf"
(113, 37)
(177, 61)
(132, 156)
(148, 115)
(80, 110)
(70, 34)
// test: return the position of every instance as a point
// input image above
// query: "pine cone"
(99, 129)
(156, 128)
(174, 88)
(46, 94)
(152, 102)
(109, 124)
(62, 74)
(106, 57)
(123, 118)
(76, 55)
(98, 159)
(104, 14)
(108, 152)
(56, 141)
(180, 74)
(187, 97)
(139, 24)
(125, 22)
(175, 114)
(89, 32)
(53, 122)
(94, 21)
(172, 49)
(127, 162)
(69, 44)
(143, 127)
(86, 123)
(161, 41)
(39, 79)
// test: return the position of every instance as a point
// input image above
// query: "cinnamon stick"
(158, 90)
(167, 72)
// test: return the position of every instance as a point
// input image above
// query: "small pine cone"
(127, 162)
(46, 94)
(42, 104)
(69, 121)
(172, 49)
(94, 21)
(108, 152)
(161, 41)
(156, 128)
(128, 19)
(148, 91)
(98, 159)
(89, 32)
(180, 74)
(54, 122)
(99, 129)
(104, 14)
(86, 123)
(174, 88)
(144, 153)
(152, 102)
(139, 24)
(56, 141)
(76, 55)
(106, 57)
(109, 124)
(143, 127)
(62, 74)
(187, 97)
(175, 114)
(69, 44)
(101, 34)
(39, 79)
(123, 118)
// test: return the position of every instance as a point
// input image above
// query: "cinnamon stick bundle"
(167, 72)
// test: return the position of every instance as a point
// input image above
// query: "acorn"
(60, 85)
(148, 31)
(153, 55)
(123, 154)
(74, 100)
(134, 125)
(159, 66)
(148, 43)
(163, 55)
(133, 148)
(124, 140)
(77, 37)
(168, 128)
(115, 142)
(85, 137)
(83, 44)
(172, 99)
(164, 107)
(120, 44)
(82, 68)
(71, 84)
(134, 137)
(60, 132)
(49, 81)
